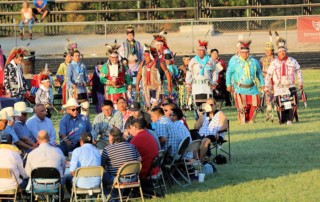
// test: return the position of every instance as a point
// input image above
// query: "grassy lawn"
(269, 162)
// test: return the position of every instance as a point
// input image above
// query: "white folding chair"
(5, 192)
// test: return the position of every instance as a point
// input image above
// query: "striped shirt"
(115, 155)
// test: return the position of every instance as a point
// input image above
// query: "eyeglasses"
(78, 109)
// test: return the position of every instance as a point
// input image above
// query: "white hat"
(85, 105)
(4, 115)
(71, 103)
(22, 107)
(206, 107)
(11, 112)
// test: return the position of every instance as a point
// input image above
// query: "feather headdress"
(70, 46)
(17, 51)
(202, 45)
(112, 50)
(245, 44)
(281, 42)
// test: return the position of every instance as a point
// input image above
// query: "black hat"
(135, 106)
(168, 56)
(5, 138)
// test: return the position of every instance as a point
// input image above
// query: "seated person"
(106, 120)
(213, 121)
(43, 95)
(137, 113)
(145, 144)
(9, 128)
(123, 108)
(39, 121)
(10, 158)
(40, 7)
(84, 156)
(115, 155)
(165, 130)
(168, 107)
(26, 140)
(72, 125)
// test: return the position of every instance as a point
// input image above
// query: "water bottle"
(207, 169)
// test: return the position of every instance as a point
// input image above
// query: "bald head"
(43, 136)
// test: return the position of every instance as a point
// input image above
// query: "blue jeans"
(30, 24)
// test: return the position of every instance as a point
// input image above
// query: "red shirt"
(148, 149)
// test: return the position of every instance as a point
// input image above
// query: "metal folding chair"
(5, 192)
(46, 182)
(193, 147)
(130, 169)
(177, 161)
(220, 142)
(86, 172)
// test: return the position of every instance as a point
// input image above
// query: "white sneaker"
(289, 123)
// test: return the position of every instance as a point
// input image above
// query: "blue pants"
(30, 24)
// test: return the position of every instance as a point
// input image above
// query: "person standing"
(26, 19)
(265, 62)
(77, 78)
(181, 81)
(282, 75)
(14, 81)
(132, 50)
(245, 70)
(43, 95)
(115, 75)
(62, 76)
(199, 77)
(220, 94)
(97, 88)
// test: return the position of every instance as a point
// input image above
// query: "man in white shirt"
(10, 158)
(45, 155)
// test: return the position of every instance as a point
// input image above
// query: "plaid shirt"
(165, 128)
(102, 124)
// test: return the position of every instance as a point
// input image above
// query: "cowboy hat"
(22, 107)
(71, 103)
(4, 115)
(11, 113)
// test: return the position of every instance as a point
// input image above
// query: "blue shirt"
(35, 125)
(79, 125)
(84, 156)
(77, 75)
(165, 128)
(22, 131)
(10, 130)
(44, 3)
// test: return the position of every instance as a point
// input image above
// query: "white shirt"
(46, 156)
(11, 159)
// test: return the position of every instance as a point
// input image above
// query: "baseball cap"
(135, 106)
(5, 138)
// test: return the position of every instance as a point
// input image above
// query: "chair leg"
(141, 193)
(164, 183)
(120, 195)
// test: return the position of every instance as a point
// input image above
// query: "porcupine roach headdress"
(202, 45)
(70, 46)
(17, 51)
(281, 42)
(112, 50)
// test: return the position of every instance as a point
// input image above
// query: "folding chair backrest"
(194, 146)
(46, 173)
(93, 171)
(131, 167)
(182, 148)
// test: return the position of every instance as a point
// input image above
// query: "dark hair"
(172, 105)
(178, 113)
(116, 134)
(140, 123)
(19, 55)
(86, 137)
(100, 63)
(76, 51)
(107, 103)
(121, 98)
(65, 54)
(159, 110)
(212, 50)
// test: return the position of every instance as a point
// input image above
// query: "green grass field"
(269, 162)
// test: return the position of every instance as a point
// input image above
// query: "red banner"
(309, 29)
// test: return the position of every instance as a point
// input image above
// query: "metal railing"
(182, 35)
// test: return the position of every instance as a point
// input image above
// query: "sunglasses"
(172, 115)
(76, 109)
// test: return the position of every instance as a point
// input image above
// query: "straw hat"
(11, 112)
(85, 105)
(4, 115)
(71, 103)
(22, 107)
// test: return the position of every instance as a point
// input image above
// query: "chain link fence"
(182, 37)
